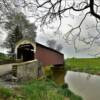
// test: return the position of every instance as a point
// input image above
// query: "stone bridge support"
(27, 70)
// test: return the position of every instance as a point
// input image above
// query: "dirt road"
(5, 68)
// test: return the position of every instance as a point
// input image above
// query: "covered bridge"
(28, 50)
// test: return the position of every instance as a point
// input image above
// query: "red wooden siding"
(48, 56)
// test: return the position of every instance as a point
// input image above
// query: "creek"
(83, 84)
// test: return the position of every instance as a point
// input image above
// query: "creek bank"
(83, 84)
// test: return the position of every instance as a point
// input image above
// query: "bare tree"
(58, 9)
(47, 11)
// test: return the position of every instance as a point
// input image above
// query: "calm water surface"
(85, 85)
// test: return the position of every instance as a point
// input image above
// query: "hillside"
(90, 65)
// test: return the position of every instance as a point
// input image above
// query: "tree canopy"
(12, 38)
(27, 29)
(18, 27)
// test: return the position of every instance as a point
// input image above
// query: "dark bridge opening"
(25, 52)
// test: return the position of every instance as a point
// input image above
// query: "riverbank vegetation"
(39, 90)
(89, 65)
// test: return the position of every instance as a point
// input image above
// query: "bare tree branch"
(48, 11)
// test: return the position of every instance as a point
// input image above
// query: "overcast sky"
(68, 49)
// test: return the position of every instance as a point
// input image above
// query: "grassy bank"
(90, 65)
(3, 57)
(38, 90)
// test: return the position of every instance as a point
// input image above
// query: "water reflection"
(85, 85)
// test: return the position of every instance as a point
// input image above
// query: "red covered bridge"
(27, 50)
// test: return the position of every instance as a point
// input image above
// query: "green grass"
(38, 90)
(45, 90)
(3, 57)
(5, 93)
(67, 93)
(90, 65)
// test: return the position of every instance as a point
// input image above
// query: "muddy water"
(85, 85)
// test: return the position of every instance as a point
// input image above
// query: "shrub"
(48, 71)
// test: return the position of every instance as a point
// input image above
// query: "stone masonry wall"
(27, 70)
